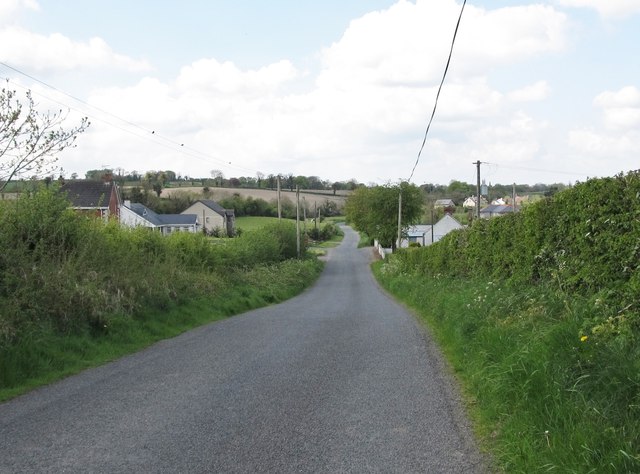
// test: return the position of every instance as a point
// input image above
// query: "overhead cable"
(435, 105)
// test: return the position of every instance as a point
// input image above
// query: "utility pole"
(477, 163)
(399, 218)
(304, 213)
(514, 197)
(432, 224)
(279, 206)
(298, 220)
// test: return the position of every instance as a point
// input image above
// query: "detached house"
(99, 198)
(429, 234)
(213, 216)
(139, 215)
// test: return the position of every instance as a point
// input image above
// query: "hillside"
(311, 197)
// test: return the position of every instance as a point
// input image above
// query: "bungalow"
(138, 215)
(428, 234)
(94, 197)
(213, 216)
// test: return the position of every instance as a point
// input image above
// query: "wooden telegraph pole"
(477, 163)
(298, 220)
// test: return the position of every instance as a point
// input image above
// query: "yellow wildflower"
(584, 338)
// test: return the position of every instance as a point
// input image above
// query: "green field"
(252, 223)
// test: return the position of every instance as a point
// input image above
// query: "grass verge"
(45, 355)
(544, 395)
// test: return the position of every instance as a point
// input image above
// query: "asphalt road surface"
(339, 379)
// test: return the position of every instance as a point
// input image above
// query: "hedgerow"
(586, 239)
(540, 312)
(61, 269)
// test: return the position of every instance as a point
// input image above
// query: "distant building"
(446, 204)
(99, 198)
(495, 211)
(470, 203)
(213, 216)
(425, 234)
(139, 215)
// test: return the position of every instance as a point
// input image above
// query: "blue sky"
(541, 92)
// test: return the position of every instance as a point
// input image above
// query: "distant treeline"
(243, 206)
(217, 179)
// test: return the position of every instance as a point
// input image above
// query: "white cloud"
(22, 48)
(226, 78)
(365, 114)
(9, 8)
(621, 109)
(408, 44)
(606, 8)
(595, 143)
(611, 148)
(534, 92)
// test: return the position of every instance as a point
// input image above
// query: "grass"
(44, 355)
(543, 397)
(248, 223)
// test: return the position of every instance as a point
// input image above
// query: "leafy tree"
(218, 177)
(30, 140)
(98, 175)
(374, 210)
(155, 180)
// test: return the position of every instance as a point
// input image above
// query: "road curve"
(339, 379)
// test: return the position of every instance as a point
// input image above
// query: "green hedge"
(71, 272)
(586, 239)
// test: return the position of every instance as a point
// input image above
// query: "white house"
(470, 202)
(427, 234)
(213, 216)
(138, 215)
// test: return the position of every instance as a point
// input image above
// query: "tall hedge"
(72, 272)
(586, 239)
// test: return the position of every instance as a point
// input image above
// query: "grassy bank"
(46, 355)
(538, 314)
(75, 291)
(544, 396)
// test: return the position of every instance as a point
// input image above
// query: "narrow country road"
(339, 379)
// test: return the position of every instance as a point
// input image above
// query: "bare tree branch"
(30, 140)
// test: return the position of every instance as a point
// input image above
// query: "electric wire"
(149, 135)
(435, 105)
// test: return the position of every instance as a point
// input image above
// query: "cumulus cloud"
(621, 109)
(408, 44)
(366, 110)
(612, 147)
(57, 52)
(606, 8)
(8, 8)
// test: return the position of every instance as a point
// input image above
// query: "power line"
(149, 135)
(435, 105)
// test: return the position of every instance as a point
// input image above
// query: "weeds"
(65, 277)
(548, 390)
